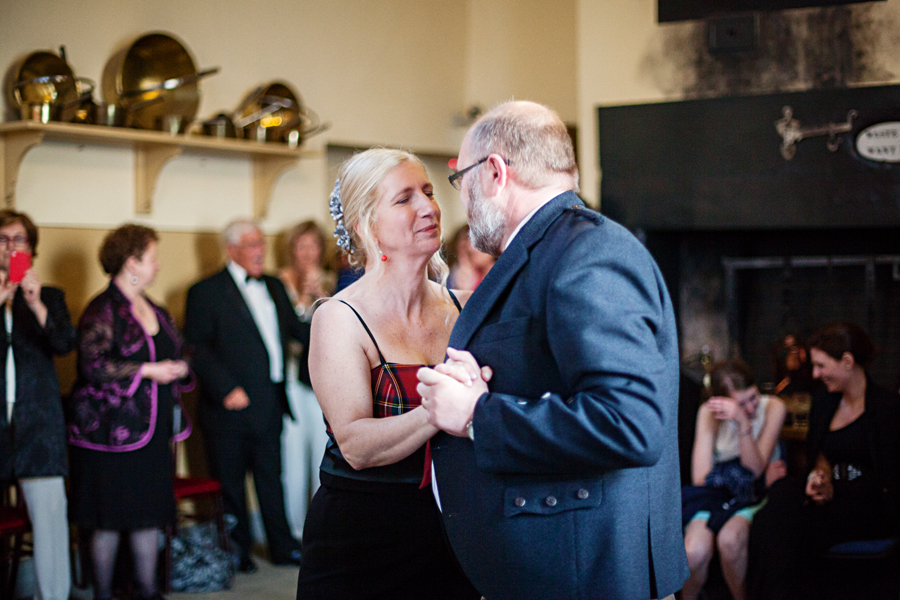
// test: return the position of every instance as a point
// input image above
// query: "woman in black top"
(851, 491)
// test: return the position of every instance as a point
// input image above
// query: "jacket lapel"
(511, 261)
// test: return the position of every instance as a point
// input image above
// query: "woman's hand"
(165, 371)
(724, 408)
(31, 290)
(819, 486)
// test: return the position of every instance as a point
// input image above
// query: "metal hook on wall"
(791, 132)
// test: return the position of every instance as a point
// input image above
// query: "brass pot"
(275, 113)
(155, 65)
(38, 79)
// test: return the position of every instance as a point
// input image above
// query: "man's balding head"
(532, 137)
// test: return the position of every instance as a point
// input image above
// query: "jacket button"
(520, 502)
(551, 501)
(583, 494)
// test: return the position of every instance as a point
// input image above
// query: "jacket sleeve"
(201, 335)
(99, 362)
(58, 329)
(611, 336)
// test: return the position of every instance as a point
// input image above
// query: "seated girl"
(736, 437)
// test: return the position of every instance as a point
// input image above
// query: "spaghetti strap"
(366, 327)
(455, 301)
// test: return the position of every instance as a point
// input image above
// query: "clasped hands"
(819, 486)
(451, 389)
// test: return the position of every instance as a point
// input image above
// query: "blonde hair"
(532, 137)
(360, 177)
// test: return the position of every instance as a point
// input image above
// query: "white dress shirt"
(262, 307)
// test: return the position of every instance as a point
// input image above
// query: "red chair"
(14, 524)
(190, 488)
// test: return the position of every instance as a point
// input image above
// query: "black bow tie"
(250, 278)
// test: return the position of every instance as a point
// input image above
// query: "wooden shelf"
(152, 150)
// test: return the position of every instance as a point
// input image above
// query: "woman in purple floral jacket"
(120, 419)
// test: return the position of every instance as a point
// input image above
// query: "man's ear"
(499, 172)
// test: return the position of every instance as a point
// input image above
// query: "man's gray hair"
(532, 137)
(234, 231)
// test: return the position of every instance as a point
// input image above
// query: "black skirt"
(128, 490)
(372, 540)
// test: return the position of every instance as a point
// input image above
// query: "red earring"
(383, 257)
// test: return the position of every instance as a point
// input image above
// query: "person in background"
(121, 413)
(239, 323)
(468, 266)
(32, 426)
(373, 529)
(303, 440)
(852, 490)
(735, 440)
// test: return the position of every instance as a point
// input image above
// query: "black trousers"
(254, 447)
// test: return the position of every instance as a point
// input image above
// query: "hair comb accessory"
(337, 213)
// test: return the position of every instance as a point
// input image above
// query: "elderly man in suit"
(239, 322)
(558, 477)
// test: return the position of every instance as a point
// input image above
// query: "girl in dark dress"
(121, 413)
(852, 491)
(373, 530)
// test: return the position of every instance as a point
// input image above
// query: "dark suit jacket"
(571, 488)
(883, 441)
(228, 350)
(38, 447)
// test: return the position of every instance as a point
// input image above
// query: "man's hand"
(236, 399)
(451, 390)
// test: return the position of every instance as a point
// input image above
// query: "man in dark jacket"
(558, 478)
(239, 323)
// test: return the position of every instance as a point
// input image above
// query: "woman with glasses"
(373, 529)
(736, 437)
(121, 414)
(32, 427)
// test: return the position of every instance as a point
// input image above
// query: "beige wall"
(393, 72)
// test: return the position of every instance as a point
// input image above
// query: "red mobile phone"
(19, 263)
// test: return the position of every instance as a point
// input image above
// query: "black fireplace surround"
(713, 182)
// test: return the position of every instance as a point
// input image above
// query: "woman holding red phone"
(32, 428)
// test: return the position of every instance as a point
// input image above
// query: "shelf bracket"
(13, 147)
(149, 160)
(266, 171)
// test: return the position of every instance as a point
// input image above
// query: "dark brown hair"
(9, 217)
(732, 375)
(121, 244)
(836, 338)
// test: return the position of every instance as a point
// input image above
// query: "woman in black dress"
(373, 529)
(852, 491)
(121, 413)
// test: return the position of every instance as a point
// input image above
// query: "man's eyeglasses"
(16, 242)
(456, 178)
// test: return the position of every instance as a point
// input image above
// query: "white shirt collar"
(238, 272)
(522, 224)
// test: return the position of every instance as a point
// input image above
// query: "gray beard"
(486, 222)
